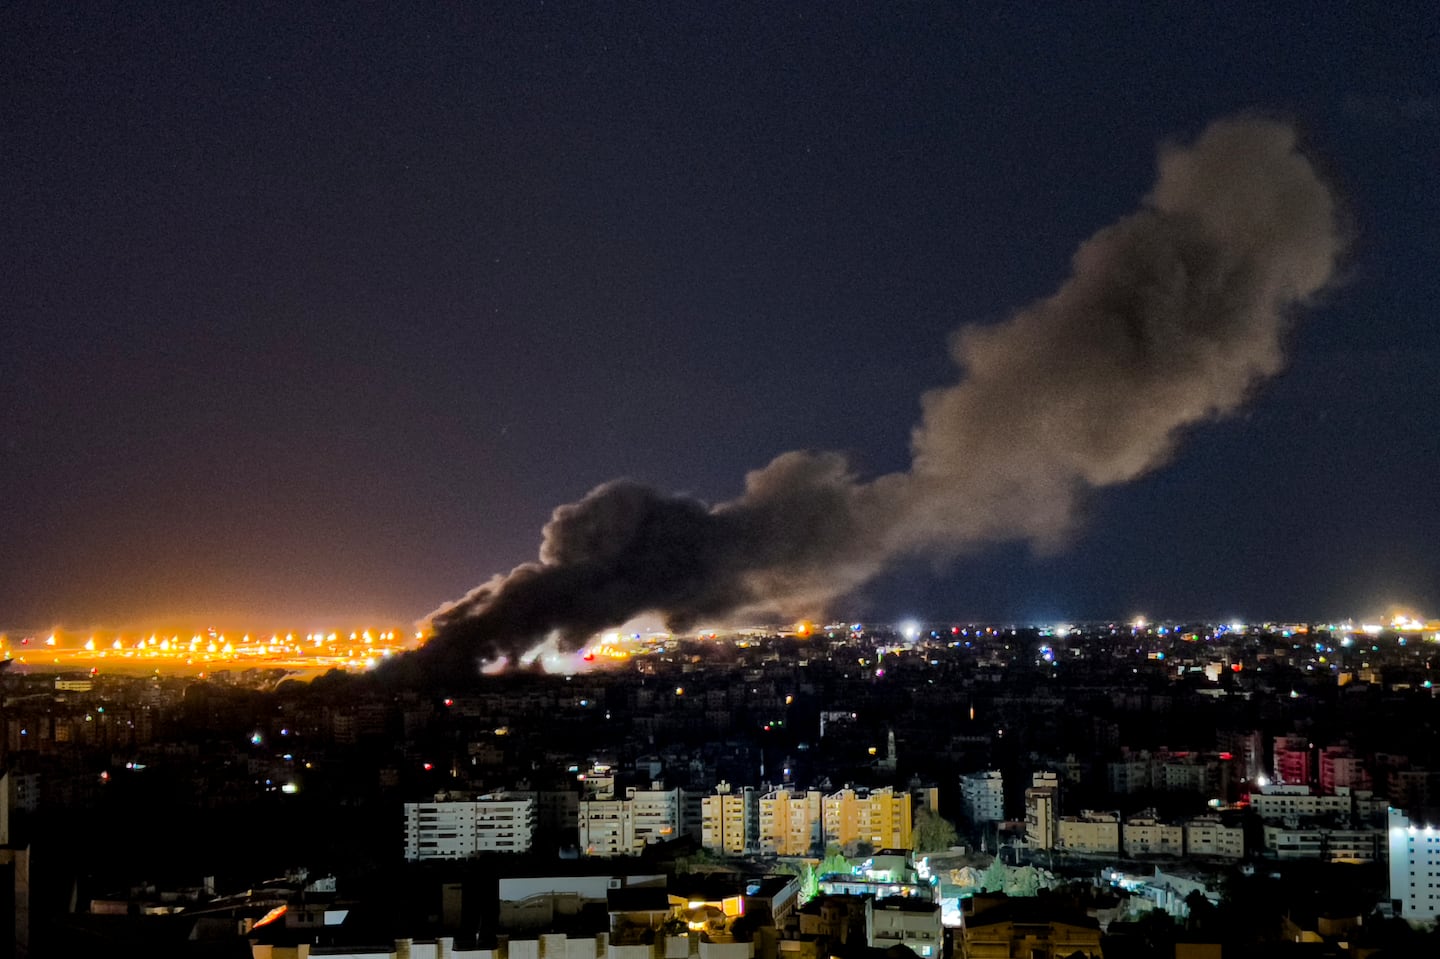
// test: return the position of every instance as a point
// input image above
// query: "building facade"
(1042, 811)
(1145, 835)
(607, 828)
(451, 829)
(1292, 761)
(1090, 833)
(1414, 853)
(791, 823)
(983, 796)
(729, 820)
(1209, 836)
(881, 817)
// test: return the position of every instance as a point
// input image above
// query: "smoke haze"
(1169, 318)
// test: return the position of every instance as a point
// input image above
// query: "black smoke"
(1169, 318)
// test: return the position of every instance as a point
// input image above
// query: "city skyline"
(317, 321)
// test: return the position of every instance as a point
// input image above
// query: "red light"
(589, 657)
(429, 766)
(449, 702)
(1226, 756)
(1236, 667)
(954, 630)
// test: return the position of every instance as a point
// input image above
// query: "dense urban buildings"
(1088, 773)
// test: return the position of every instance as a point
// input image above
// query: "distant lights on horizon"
(359, 649)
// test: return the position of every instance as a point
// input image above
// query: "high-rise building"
(1292, 761)
(1245, 748)
(880, 817)
(730, 820)
(607, 828)
(1339, 766)
(1414, 849)
(623, 827)
(659, 813)
(1042, 811)
(453, 829)
(791, 823)
(983, 795)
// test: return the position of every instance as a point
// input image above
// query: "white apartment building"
(1090, 833)
(659, 813)
(1414, 866)
(1279, 803)
(1209, 836)
(1145, 835)
(983, 796)
(623, 827)
(1323, 843)
(452, 829)
(607, 828)
(899, 921)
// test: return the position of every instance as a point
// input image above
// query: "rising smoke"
(1169, 318)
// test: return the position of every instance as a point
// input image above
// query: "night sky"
(311, 313)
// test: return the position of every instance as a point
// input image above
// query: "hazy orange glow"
(207, 650)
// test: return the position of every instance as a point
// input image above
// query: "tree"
(834, 862)
(1023, 881)
(996, 877)
(1201, 914)
(1157, 927)
(809, 884)
(932, 832)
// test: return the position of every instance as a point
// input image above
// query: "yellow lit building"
(791, 823)
(880, 817)
(726, 820)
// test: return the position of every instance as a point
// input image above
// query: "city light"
(193, 653)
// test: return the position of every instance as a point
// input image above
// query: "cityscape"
(548, 480)
(965, 789)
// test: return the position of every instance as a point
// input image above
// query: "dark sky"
(317, 312)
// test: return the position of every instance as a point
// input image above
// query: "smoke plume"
(1169, 318)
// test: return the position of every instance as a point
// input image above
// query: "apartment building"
(983, 797)
(455, 829)
(880, 817)
(791, 823)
